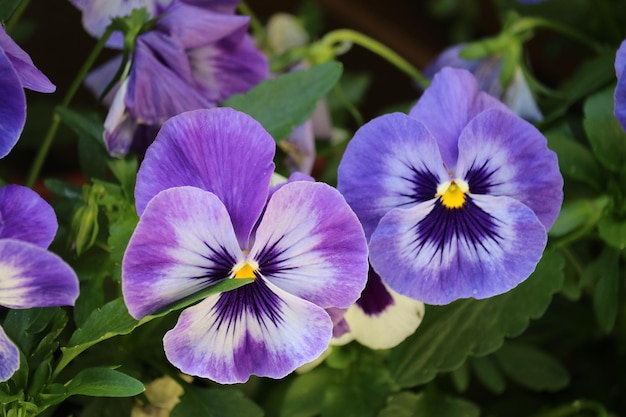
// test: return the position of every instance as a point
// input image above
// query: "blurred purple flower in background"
(17, 72)
(195, 57)
(517, 95)
(620, 89)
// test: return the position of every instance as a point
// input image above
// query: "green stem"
(257, 27)
(356, 115)
(56, 119)
(17, 14)
(341, 36)
(575, 408)
(537, 22)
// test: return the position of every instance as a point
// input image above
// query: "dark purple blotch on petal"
(469, 223)
(375, 298)
(255, 299)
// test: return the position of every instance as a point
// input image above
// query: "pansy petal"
(392, 161)
(25, 216)
(310, 244)
(30, 77)
(257, 329)
(219, 150)
(31, 276)
(448, 104)
(503, 155)
(382, 318)
(437, 255)
(12, 106)
(189, 23)
(620, 90)
(160, 60)
(9, 357)
(227, 67)
(184, 242)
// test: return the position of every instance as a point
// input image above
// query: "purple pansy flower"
(194, 58)
(17, 72)
(620, 90)
(206, 215)
(456, 197)
(30, 276)
(517, 96)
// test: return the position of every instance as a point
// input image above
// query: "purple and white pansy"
(30, 275)
(17, 72)
(207, 215)
(455, 198)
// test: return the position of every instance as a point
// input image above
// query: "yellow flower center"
(245, 269)
(452, 193)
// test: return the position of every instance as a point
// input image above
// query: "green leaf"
(581, 215)
(449, 334)
(6, 8)
(607, 138)
(486, 371)
(612, 231)
(103, 382)
(64, 189)
(120, 231)
(125, 170)
(215, 402)
(305, 395)
(461, 378)
(606, 293)
(576, 161)
(427, 404)
(531, 367)
(283, 103)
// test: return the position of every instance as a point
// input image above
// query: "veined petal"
(161, 83)
(25, 216)
(437, 255)
(503, 155)
(310, 244)
(382, 318)
(451, 101)
(184, 242)
(197, 25)
(392, 161)
(9, 357)
(228, 67)
(219, 150)
(31, 276)
(12, 106)
(29, 76)
(257, 329)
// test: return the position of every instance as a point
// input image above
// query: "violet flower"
(30, 276)
(517, 95)
(456, 198)
(205, 216)
(194, 58)
(620, 89)
(17, 72)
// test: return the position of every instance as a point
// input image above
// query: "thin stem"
(17, 14)
(257, 27)
(533, 22)
(346, 35)
(354, 112)
(56, 119)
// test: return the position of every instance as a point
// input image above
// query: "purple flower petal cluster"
(455, 198)
(17, 72)
(517, 96)
(620, 89)
(207, 214)
(30, 276)
(196, 56)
